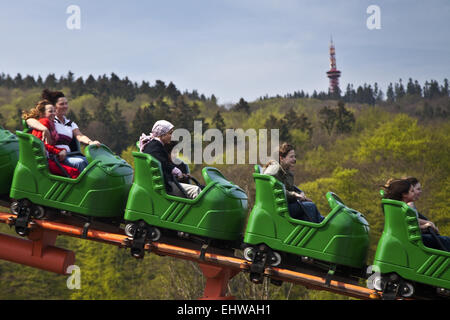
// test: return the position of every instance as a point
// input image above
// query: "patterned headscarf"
(159, 129)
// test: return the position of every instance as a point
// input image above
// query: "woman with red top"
(68, 130)
(45, 111)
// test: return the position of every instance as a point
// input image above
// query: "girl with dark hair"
(67, 129)
(424, 223)
(404, 190)
(300, 207)
(398, 189)
(417, 192)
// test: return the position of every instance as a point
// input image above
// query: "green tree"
(399, 90)
(339, 119)
(99, 129)
(281, 124)
(172, 91)
(159, 89)
(119, 129)
(184, 115)
(214, 99)
(410, 88)
(50, 81)
(78, 87)
(143, 121)
(295, 121)
(91, 85)
(418, 88)
(84, 117)
(445, 88)
(19, 81)
(218, 121)
(390, 93)
(344, 119)
(327, 117)
(29, 82)
(428, 111)
(242, 106)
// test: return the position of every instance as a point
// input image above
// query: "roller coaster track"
(217, 268)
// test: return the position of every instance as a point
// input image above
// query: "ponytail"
(52, 96)
(396, 188)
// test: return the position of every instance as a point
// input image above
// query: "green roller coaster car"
(218, 212)
(404, 265)
(9, 155)
(100, 191)
(342, 238)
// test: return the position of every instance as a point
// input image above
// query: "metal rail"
(232, 264)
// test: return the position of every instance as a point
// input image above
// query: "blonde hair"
(37, 112)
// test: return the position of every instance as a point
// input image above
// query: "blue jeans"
(78, 162)
(305, 210)
(430, 241)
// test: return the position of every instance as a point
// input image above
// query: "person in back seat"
(424, 222)
(300, 207)
(67, 129)
(403, 190)
(153, 144)
(45, 112)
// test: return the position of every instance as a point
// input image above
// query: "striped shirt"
(65, 132)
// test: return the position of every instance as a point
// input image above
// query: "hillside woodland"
(349, 143)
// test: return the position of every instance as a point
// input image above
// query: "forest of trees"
(349, 144)
(373, 94)
(103, 86)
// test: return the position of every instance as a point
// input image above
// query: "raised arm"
(35, 124)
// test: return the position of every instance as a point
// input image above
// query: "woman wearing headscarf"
(153, 144)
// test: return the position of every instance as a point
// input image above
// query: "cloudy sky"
(229, 48)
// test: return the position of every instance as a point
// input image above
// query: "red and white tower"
(333, 73)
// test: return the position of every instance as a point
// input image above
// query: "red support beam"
(217, 281)
(38, 252)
